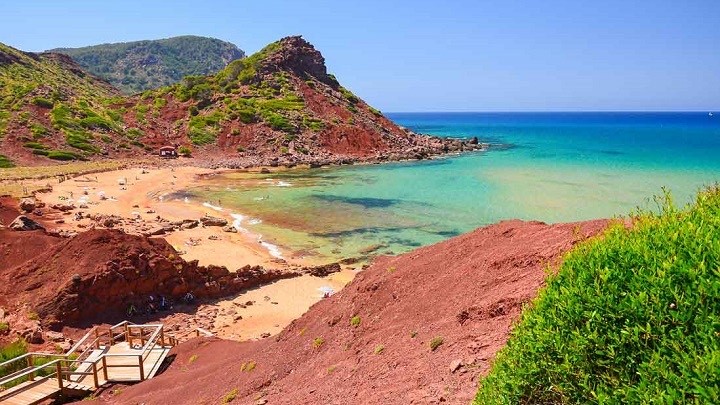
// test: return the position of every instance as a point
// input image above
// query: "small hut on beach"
(168, 152)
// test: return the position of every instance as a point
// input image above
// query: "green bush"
(195, 88)
(349, 96)
(4, 117)
(278, 122)
(80, 139)
(6, 163)
(95, 122)
(290, 103)
(42, 102)
(61, 116)
(38, 130)
(184, 150)
(134, 133)
(12, 350)
(62, 155)
(435, 343)
(631, 317)
(375, 111)
(201, 136)
(35, 145)
(114, 115)
(313, 124)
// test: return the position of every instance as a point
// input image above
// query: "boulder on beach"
(27, 204)
(189, 224)
(23, 223)
(63, 207)
(229, 228)
(324, 270)
(213, 221)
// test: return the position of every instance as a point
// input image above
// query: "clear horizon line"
(548, 111)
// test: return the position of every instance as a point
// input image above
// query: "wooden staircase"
(122, 353)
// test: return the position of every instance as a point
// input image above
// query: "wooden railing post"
(104, 361)
(162, 337)
(58, 371)
(95, 376)
(142, 371)
(30, 364)
(112, 337)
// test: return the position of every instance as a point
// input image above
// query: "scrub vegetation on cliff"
(632, 317)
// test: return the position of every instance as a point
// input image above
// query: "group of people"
(153, 304)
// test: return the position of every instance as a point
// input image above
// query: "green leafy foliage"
(80, 139)
(6, 163)
(277, 121)
(4, 118)
(184, 151)
(375, 111)
(631, 317)
(42, 102)
(245, 70)
(34, 145)
(38, 130)
(62, 155)
(203, 129)
(349, 96)
(436, 342)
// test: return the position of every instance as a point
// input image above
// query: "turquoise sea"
(551, 167)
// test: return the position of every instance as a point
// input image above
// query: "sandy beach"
(143, 196)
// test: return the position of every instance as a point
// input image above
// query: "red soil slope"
(467, 291)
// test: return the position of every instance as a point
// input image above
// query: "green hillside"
(141, 65)
(51, 107)
(278, 102)
(631, 318)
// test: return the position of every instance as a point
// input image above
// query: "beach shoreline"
(138, 198)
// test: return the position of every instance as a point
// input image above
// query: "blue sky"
(551, 55)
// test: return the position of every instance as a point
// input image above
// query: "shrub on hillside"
(631, 317)
(42, 102)
(61, 155)
(6, 163)
(184, 151)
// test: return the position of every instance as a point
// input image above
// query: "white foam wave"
(237, 222)
(215, 207)
(272, 249)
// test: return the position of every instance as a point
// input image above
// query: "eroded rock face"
(23, 223)
(297, 55)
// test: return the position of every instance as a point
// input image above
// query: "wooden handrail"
(59, 359)
(24, 356)
(206, 333)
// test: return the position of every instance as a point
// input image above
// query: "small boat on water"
(710, 114)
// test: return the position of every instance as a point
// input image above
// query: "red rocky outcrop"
(98, 274)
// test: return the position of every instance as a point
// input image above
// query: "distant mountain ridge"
(137, 66)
